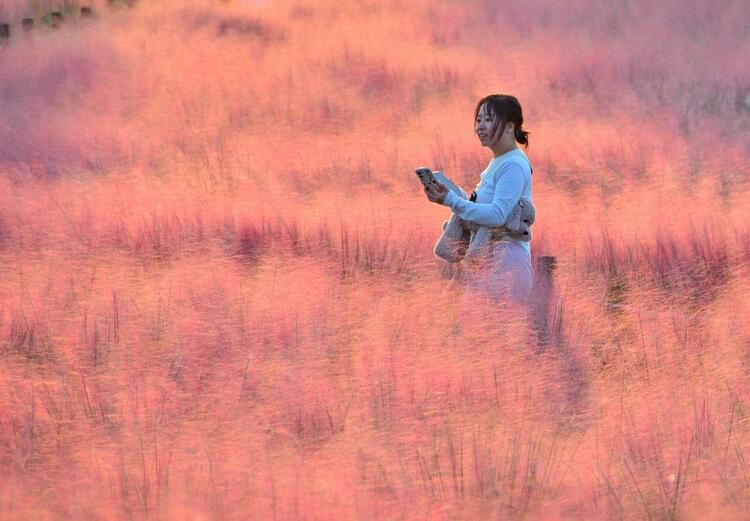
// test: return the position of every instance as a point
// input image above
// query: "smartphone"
(425, 175)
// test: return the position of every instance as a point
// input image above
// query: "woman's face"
(483, 126)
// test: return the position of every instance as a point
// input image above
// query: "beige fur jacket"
(465, 239)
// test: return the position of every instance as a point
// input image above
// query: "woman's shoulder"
(518, 157)
(513, 159)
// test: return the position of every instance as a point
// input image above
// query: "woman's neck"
(504, 149)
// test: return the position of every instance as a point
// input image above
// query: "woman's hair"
(506, 108)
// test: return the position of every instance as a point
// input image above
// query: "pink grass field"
(218, 297)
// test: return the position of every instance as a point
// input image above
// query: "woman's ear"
(510, 128)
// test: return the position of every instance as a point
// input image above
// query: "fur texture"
(465, 239)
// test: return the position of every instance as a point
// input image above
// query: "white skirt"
(505, 276)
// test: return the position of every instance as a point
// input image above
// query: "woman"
(498, 122)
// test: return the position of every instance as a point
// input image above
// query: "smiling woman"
(507, 274)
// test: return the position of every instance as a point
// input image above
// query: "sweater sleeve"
(508, 189)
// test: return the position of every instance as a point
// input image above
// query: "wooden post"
(543, 296)
(28, 24)
(4, 31)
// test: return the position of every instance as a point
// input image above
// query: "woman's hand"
(436, 192)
